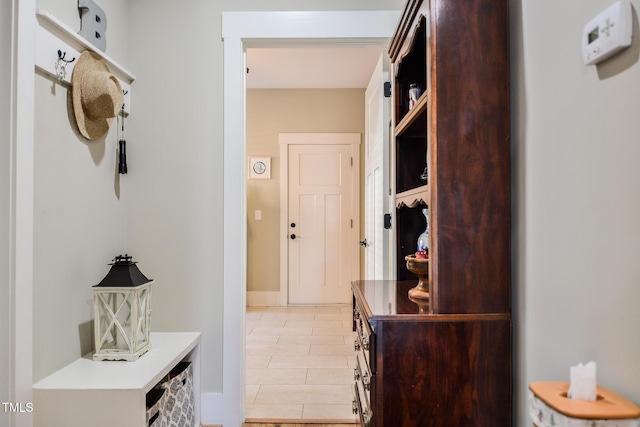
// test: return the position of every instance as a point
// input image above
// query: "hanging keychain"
(122, 148)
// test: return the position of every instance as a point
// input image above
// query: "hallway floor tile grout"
(299, 363)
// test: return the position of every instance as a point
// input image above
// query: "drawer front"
(364, 339)
(361, 405)
(364, 378)
(364, 373)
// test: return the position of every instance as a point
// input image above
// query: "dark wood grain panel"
(448, 374)
(471, 145)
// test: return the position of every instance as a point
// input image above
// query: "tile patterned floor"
(299, 363)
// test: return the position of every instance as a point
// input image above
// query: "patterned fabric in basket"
(154, 401)
(177, 408)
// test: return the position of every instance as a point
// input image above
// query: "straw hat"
(97, 95)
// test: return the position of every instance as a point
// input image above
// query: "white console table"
(113, 393)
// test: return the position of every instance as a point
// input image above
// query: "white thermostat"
(608, 33)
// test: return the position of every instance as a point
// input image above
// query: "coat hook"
(62, 55)
(61, 65)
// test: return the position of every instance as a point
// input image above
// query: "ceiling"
(311, 67)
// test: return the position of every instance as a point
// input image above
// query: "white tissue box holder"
(550, 406)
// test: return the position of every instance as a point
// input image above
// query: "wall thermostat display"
(607, 34)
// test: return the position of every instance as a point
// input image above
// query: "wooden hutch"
(445, 361)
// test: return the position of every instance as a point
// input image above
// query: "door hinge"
(387, 221)
(387, 89)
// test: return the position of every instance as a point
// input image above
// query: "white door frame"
(239, 30)
(287, 139)
(374, 218)
(21, 146)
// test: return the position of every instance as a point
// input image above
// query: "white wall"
(176, 53)
(576, 139)
(5, 222)
(79, 209)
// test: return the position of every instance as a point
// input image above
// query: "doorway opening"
(255, 29)
(299, 348)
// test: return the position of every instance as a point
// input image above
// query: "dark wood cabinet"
(417, 369)
(445, 361)
(457, 51)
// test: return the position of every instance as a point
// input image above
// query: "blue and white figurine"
(423, 239)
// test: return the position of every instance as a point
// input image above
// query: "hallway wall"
(80, 220)
(576, 150)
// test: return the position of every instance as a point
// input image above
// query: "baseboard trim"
(263, 298)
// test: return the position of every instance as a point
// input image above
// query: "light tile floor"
(299, 363)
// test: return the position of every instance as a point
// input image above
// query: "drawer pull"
(356, 344)
(367, 415)
(365, 342)
(366, 381)
(356, 374)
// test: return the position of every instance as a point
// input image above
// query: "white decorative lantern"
(122, 312)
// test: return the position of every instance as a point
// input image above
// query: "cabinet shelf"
(411, 160)
(414, 123)
(413, 198)
(410, 66)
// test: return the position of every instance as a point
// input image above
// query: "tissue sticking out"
(583, 382)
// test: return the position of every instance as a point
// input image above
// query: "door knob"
(364, 243)
(293, 237)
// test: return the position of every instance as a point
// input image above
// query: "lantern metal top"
(123, 274)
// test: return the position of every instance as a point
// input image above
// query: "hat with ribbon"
(97, 95)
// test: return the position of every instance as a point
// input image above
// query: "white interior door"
(320, 224)
(376, 243)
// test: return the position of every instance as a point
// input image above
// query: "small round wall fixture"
(259, 168)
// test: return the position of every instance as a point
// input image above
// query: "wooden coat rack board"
(52, 36)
